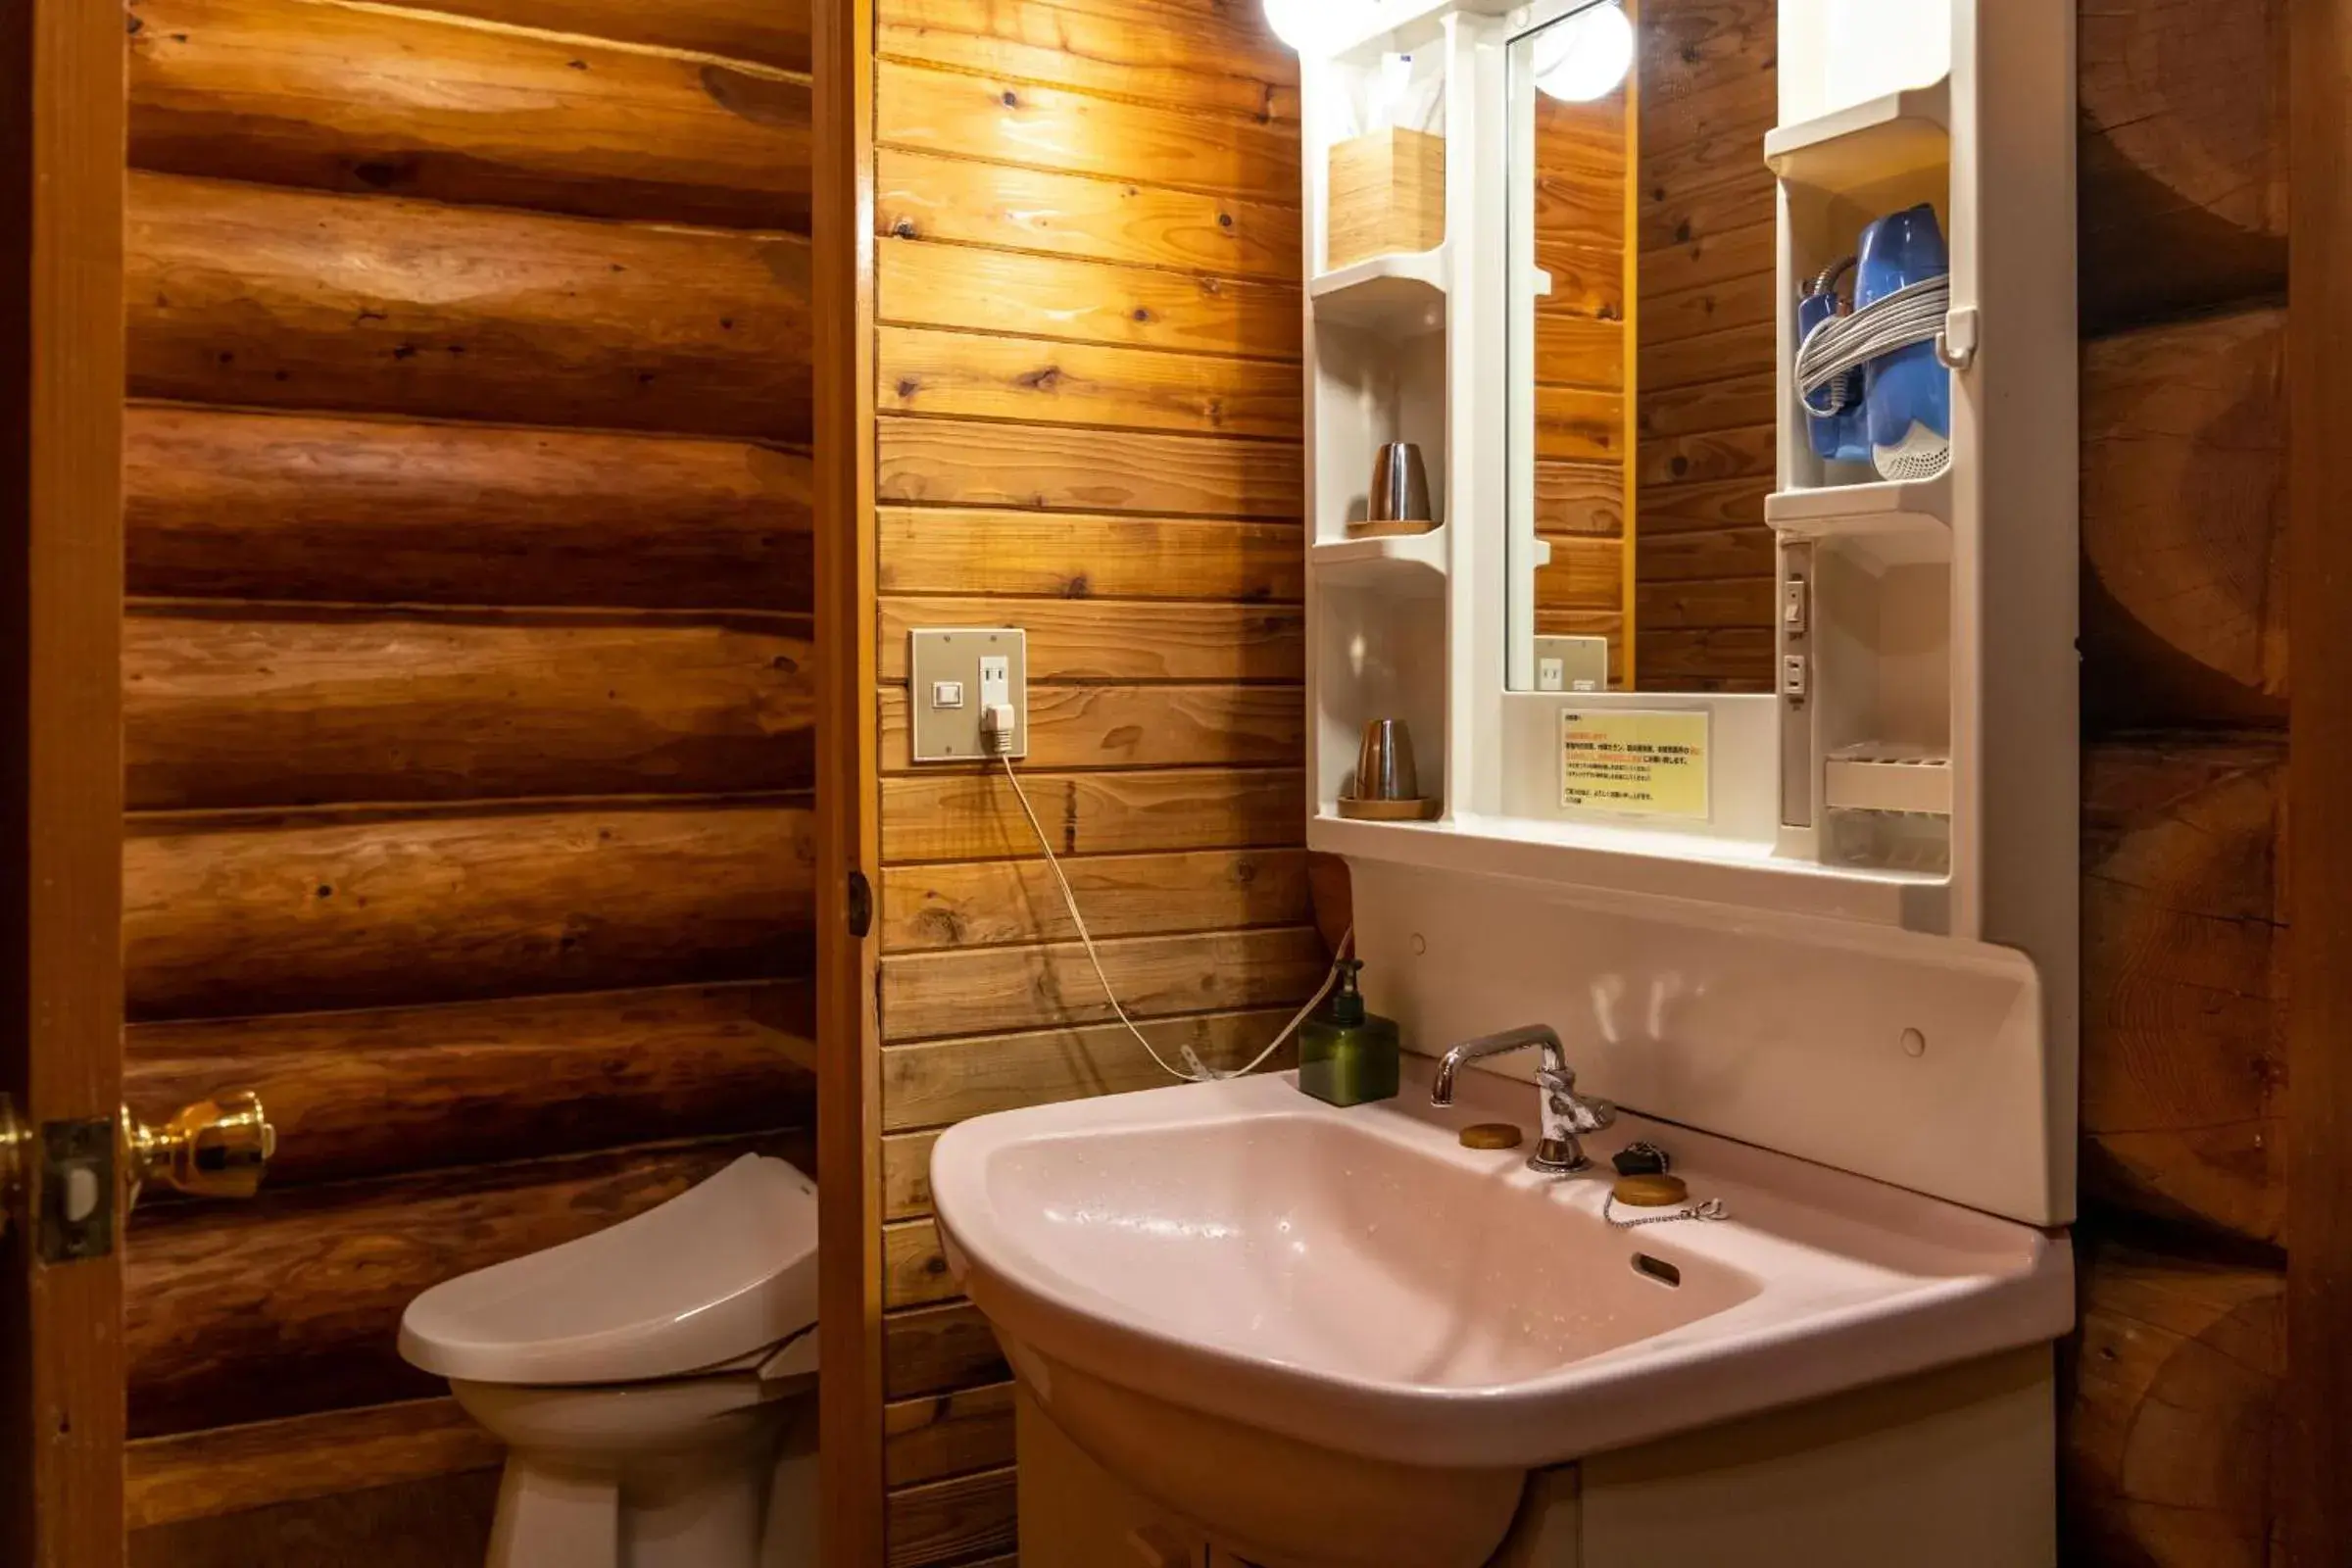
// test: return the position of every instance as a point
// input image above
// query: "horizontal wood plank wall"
(2175, 1375)
(1583, 413)
(467, 687)
(1088, 297)
(1703, 573)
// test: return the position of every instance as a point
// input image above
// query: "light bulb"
(1297, 23)
(1311, 25)
(1583, 57)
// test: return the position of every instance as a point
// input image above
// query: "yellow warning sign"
(1645, 762)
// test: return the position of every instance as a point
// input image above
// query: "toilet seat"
(722, 1273)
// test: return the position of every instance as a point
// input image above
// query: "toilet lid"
(716, 1273)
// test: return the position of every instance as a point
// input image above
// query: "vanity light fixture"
(1584, 56)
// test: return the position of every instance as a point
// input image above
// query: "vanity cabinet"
(1076, 1513)
(1943, 1470)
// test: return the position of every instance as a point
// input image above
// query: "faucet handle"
(1587, 1113)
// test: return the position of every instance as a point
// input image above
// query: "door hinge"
(861, 906)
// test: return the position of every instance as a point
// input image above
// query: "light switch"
(1793, 605)
(955, 675)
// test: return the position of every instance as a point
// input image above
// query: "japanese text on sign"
(1649, 762)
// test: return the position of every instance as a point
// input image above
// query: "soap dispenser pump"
(1347, 1055)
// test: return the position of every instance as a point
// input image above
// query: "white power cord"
(997, 734)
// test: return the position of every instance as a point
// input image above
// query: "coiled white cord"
(1842, 344)
(1201, 1072)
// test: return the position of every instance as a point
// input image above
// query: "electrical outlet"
(955, 675)
(1793, 676)
(1571, 664)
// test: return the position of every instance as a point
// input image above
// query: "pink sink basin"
(1339, 1337)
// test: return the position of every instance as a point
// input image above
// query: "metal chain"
(1712, 1210)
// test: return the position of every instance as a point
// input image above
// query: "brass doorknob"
(216, 1148)
(13, 1140)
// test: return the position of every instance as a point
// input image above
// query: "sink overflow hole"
(1657, 1269)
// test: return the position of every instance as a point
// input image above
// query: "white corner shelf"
(1892, 523)
(1859, 146)
(1413, 565)
(1638, 863)
(1402, 295)
(1832, 508)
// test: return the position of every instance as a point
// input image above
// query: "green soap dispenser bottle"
(1347, 1055)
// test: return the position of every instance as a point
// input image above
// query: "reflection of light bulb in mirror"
(1584, 57)
(1663, 991)
(1608, 991)
(1309, 25)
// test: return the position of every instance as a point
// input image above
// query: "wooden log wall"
(1088, 280)
(2174, 1378)
(468, 694)
(1584, 198)
(1703, 574)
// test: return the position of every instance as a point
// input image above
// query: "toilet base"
(550, 1513)
(716, 1472)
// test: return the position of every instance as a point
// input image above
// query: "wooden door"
(60, 590)
(445, 652)
(467, 708)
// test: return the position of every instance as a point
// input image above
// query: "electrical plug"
(997, 729)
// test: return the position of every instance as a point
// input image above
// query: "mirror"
(1640, 359)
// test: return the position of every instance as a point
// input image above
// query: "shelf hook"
(1957, 344)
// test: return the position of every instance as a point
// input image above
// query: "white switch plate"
(989, 665)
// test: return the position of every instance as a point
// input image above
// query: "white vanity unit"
(1819, 936)
(1889, 841)
(1861, 949)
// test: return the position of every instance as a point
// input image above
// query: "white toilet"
(654, 1383)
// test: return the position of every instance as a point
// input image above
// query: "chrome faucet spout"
(1566, 1113)
(1540, 1035)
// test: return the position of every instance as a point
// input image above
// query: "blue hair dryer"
(1907, 394)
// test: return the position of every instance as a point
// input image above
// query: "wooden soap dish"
(1414, 810)
(1661, 1191)
(1395, 528)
